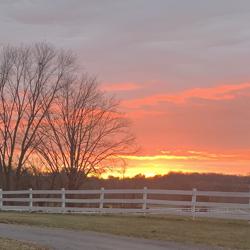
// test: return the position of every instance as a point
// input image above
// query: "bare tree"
(85, 133)
(30, 78)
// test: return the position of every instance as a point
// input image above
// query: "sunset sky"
(180, 68)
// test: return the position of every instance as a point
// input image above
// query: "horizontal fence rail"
(195, 203)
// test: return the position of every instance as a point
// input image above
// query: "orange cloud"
(154, 157)
(186, 155)
(117, 87)
(222, 92)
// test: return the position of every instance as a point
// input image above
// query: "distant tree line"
(56, 126)
(172, 180)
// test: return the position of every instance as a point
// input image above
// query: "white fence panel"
(178, 202)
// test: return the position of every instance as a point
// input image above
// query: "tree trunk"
(7, 184)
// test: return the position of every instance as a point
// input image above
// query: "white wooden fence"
(179, 202)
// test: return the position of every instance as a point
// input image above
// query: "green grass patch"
(7, 244)
(212, 232)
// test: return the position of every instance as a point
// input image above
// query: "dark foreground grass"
(7, 244)
(229, 234)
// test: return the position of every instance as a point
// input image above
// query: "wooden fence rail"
(235, 205)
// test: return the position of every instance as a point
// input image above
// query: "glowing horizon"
(183, 161)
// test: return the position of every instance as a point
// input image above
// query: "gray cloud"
(179, 43)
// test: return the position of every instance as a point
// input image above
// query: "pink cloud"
(221, 92)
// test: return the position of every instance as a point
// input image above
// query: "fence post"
(193, 202)
(1, 199)
(63, 199)
(30, 200)
(144, 205)
(101, 198)
(249, 198)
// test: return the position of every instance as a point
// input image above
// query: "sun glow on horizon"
(183, 161)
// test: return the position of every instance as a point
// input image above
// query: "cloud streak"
(217, 93)
(189, 155)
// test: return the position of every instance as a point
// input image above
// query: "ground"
(7, 244)
(223, 233)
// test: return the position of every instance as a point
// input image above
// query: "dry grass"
(226, 233)
(7, 244)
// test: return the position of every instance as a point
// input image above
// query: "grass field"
(230, 234)
(7, 244)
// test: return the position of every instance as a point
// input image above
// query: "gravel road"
(61, 239)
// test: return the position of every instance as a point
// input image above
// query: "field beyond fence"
(193, 203)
